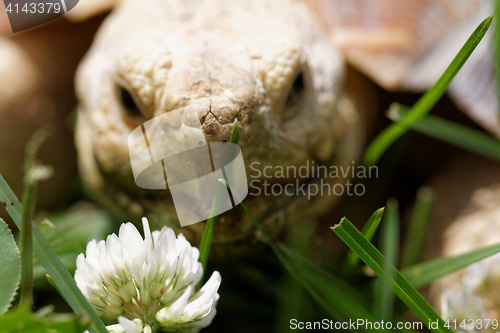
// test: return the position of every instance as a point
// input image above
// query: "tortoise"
(279, 67)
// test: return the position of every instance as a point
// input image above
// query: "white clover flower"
(150, 281)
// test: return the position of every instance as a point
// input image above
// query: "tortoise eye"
(297, 91)
(128, 102)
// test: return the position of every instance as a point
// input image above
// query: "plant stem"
(33, 173)
(206, 240)
(27, 243)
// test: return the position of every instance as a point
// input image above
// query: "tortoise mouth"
(234, 229)
(235, 234)
(289, 191)
(160, 205)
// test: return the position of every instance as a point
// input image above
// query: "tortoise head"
(269, 65)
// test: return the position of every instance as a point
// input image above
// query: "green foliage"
(34, 172)
(21, 320)
(418, 226)
(68, 234)
(293, 296)
(380, 144)
(368, 231)
(29, 194)
(458, 135)
(378, 263)
(51, 262)
(332, 293)
(10, 262)
(384, 297)
(422, 274)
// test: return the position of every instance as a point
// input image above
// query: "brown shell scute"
(386, 38)
(407, 45)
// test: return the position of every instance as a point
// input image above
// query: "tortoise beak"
(170, 152)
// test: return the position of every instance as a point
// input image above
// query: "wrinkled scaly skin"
(235, 60)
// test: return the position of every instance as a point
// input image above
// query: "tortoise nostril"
(210, 129)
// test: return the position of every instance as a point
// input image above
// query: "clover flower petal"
(147, 283)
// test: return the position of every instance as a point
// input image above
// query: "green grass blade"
(420, 275)
(376, 261)
(384, 296)
(496, 44)
(336, 297)
(235, 135)
(10, 263)
(458, 135)
(292, 295)
(380, 144)
(51, 262)
(368, 231)
(206, 240)
(333, 294)
(418, 226)
(33, 173)
(27, 243)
